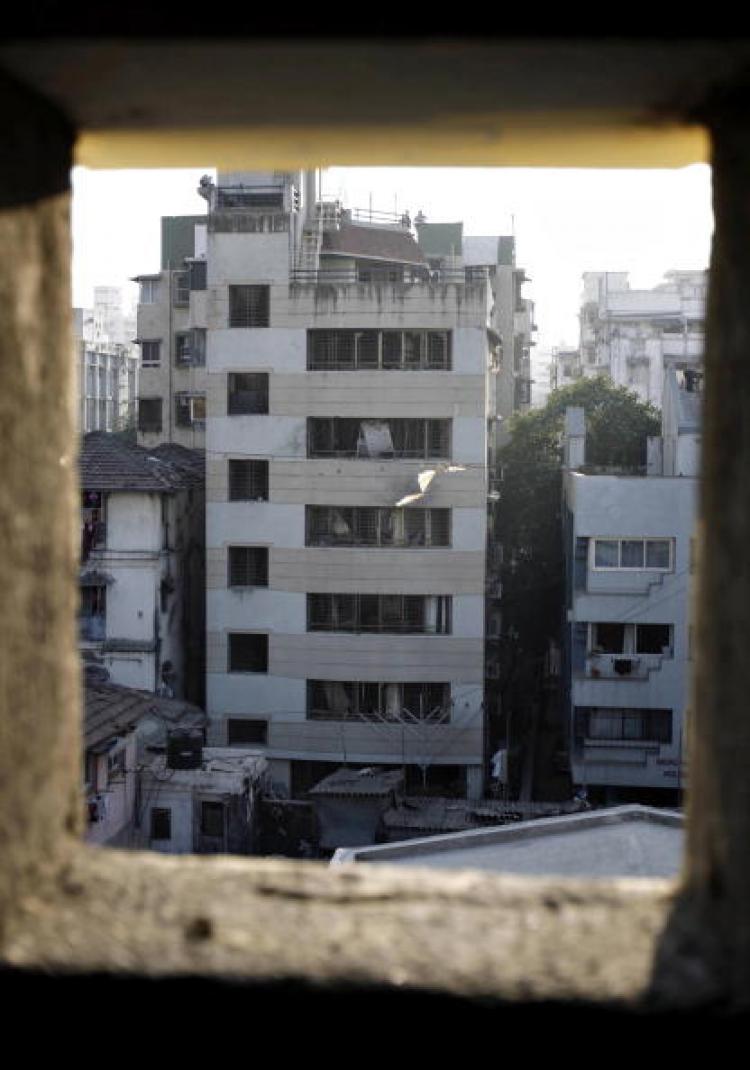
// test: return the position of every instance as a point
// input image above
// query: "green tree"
(528, 520)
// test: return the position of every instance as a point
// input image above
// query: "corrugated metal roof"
(395, 246)
(107, 462)
(359, 782)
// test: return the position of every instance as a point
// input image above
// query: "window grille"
(329, 525)
(181, 288)
(394, 438)
(248, 566)
(150, 353)
(346, 350)
(183, 349)
(329, 700)
(247, 392)
(393, 614)
(248, 480)
(248, 653)
(249, 306)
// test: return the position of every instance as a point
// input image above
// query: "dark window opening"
(198, 275)
(249, 306)
(394, 438)
(248, 566)
(609, 638)
(92, 621)
(332, 700)
(150, 353)
(248, 653)
(190, 410)
(161, 824)
(380, 613)
(212, 820)
(149, 414)
(243, 730)
(247, 392)
(248, 481)
(600, 722)
(328, 525)
(652, 638)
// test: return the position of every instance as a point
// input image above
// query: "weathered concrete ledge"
(467, 933)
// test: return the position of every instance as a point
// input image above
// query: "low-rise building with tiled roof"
(142, 564)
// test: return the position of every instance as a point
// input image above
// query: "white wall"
(134, 521)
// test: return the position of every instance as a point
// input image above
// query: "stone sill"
(263, 921)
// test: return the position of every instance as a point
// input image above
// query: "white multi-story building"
(629, 550)
(351, 401)
(172, 338)
(107, 363)
(141, 578)
(635, 336)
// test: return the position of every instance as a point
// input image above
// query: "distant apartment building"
(107, 363)
(635, 336)
(350, 379)
(564, 367)
(142, 577)
(629, 548)
(451, 253)
(171, 338)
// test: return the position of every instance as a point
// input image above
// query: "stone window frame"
(684, 944)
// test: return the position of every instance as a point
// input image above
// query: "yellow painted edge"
(476, 141)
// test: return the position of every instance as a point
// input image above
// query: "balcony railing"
(92, 628)
(387, 277)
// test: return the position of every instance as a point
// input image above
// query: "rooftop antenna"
(512, 224)
(371, 207)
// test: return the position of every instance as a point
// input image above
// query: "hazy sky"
(565, 221)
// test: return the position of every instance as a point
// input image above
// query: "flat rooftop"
(624, 841)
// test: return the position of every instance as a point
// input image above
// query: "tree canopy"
(528, 517)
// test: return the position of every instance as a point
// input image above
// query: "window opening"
(248, 653)
(247, 393)
(150, 353)
(149, 414)
(248, 566)
(383, 613)
(249, 306)
(329, 700)
(248, 480)
(394, 438)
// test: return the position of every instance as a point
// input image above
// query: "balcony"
(622, 666)
(92, 628)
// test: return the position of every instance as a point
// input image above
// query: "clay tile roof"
(372, 243)
(111, 710)
(107, 462)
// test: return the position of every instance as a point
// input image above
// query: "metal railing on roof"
(387, 276)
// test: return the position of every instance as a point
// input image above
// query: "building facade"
(629, 558)
(142, 578)
(352, 403)
(171, 338)
(107, 363)
(635, 336)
